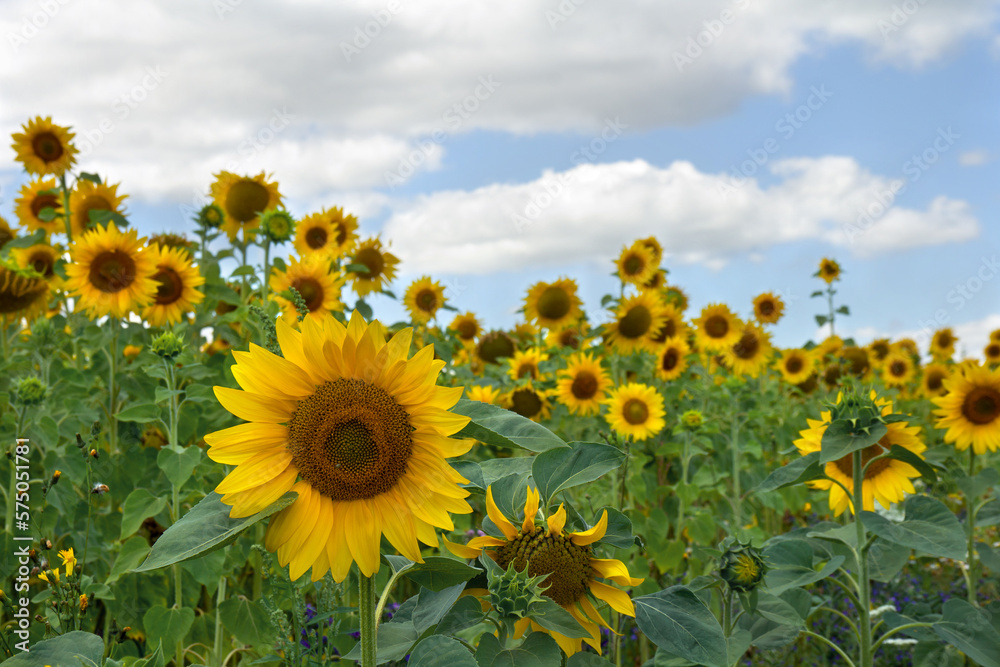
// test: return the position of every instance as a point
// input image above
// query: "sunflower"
(995, 335)
(329, 232)
(751, 354)
(636, 264)
(971, 409)
(44, 148)
(907, 345)
(88, 196)
(830, 346)
(582, 385)
(657, 283)
(796, 366)
(244, 199)
(176, 279)
(483, 393)
(312, 279)
(943, 344)
(829, 270)
(898, 369)
(636, 410)
(528, 401)
(364, 431)
(671, 360)
(171, 240)
(675, 296)
(637, 320)
(110, 273)
(524, 364)
(566, 558)
(768, 308)
(553, 305)
(37, 196)
(856, 362)
(992, 352)
(717, 328)
(886, 480)
(466, 327)
(42, 258)
(23, 292)
(423, 298)
(674, 325)
(878, 350)
(573, 337)
(932, 382)
(381, 265)
(495, 345)
(6, 233)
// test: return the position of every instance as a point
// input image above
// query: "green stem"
(3, 335)
(685, 462)
(727, 613)
(971, 572)
(267, 272)
(829, 300)
(220, 597)
(368, 626)
(65, 207)
(864, 584)
(112, 389)
(243, 262)
(734, 445)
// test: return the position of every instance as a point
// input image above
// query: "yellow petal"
(530, 510)
(249, 502)
(236, 444)
(591, 535)
(618, 599)
(315, 542)
(336, 548)
(615, 570)
(461, 550)
(397, 525)
(363, 536)
(557, 521)
(497, 517)
(255, 407)
(486, 541)
(255, 471)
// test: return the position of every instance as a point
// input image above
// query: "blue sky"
(676, 136)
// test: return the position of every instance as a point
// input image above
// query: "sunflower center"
(246, 199)
(716, 326)
(584, 385)
(372, 259)
(669, 360)
(746, 568)
(633, 265)
(526, 402)
(18, 292)
(171, 286)
(944, 340)
(350, 440)
(982, 405)
(43, 263)
(311, 292)
(466, 329)
(495, 345)
(766, 308)
(881, 350)
(636, 322)
(992, 350)
(934, 381)
(567, 564)
(846, 463)
(570, 338)
(316, 238)
(112, 272)
(527, 369)
(47, 146)
(748, 346)
(897, 369)
(635, 411)
(341, 234)
(42, 202)
(554, 303)
(794, 365)
(426, 301)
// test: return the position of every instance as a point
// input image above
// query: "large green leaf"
(587, 660)
(792, 565)
(437, 573)
(167, 625)
(178, 463)
(503, 428)
(582, 462)
(205, 528)
(441, 651)
(433, 605)
(64, 650)
(969, 630)
(146, 412)
(840, 439)
(798, 471)
(554, 618)
(133, 552)
(247, 620)
(139, 506)
(929, 527)
(676, 620)
(537, 650)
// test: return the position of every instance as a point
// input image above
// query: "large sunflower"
(751, 353)
(717, 328)
(971, 409)
(244, 199)
(768, 308)
(23, 292)
(353, 426)
(582, 385)
(44, 147)
(524, 364)
(886, 480)
(829, 270)
(636, 264)
(381, 265)
(328, 232)
(796, 365)
(312, 279)
(672, 358)
(637, 321)
(110, 273)
(176, 278)
(528, 401)
(88, 196)
(466, 327)
(423, 298)
(37, 196)
(878, 350)
(636, 410)
(566, 558)
(943, 344)
(553, 305)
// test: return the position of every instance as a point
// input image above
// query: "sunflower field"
(216, 454)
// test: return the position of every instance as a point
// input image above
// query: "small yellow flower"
(68, 559)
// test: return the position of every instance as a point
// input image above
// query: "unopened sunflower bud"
(167, 345)
(692, 419)
(210, 216)
(513, 592)
(30, 391)
(278, 225)
(55, 478)
(742, 567)
(95, 428)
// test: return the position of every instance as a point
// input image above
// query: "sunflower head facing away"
(380, 265)
(42, 258)
(44, 148)
(970, 409)
(244, 199)
(553, 305)
(358, 429)
(110, 273)
(23, 292)
(565, 558)
(829, 271)
(423, 298)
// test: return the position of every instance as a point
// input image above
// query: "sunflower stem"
(864, 591)
(243, 262)
(366, 608)
(829, 300)
(65, 202)
(971, 574)
(734, 437)
(219, 599)
(267, 272)
(112, 390)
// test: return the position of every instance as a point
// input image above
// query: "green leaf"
(968, 629)
(133, 551)
(988, 557)
(566, 467)
(844, 310)
(929, 527)
(988, 514)
(139, 506)
(587, 660)
(488, 649)
(815, 294)
(142, 414)
(676, 620)
(356, 267)
(104, 216)
(247, 620)
(205, 528)
(798, 471)
(433, 605)
(977, 486)
(471, 471)
(93, 178)
(619, 532)
(65, 650)
(822, 319)
(468, 611)
(886, 560)
(773, 608)
(222, 292)
(792, 565)
(737, 644)
(167, 625)
(245, 270)
(394, 641)
(840, 439)
(441, 651)
(178, 463)
(537, 650)
(25, 241)
(554, 618)
(47, 214)
(502, 428)
(494, 469)
(437, 573)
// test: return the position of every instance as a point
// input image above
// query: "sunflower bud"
(512, 593)
(167, 345)
(30, 391)
(742, 567)
(210, 216)
(278, 225)
(692, 419)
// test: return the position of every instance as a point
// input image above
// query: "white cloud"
(587, 213)
(975, 158)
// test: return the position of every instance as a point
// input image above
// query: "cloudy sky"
(498, 144)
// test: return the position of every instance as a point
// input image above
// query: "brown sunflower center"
(633, 265)
(794, 364)
(170, 288)
(748, 345)
(42, 202)
(526, 369)
(341, 234)
(350, 440)
(526, 402)
(857, 360)
(426, 300)
(584, 385)
(311, 292)
(42, 262)
(934, 381)
(716, 326)
(372, 259)
(570, 338)
(316, 238)
(495, 345)
(245, 199)
(635, 411)
(881, 349)
(47, 146)
(466, 329)
(982, 405)
(669, 360)
(567, 564)
(846, 463)
(636, 322)
(766, 308)
(898, 369)
(993, 351)
(554, 303)
(112, 271)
